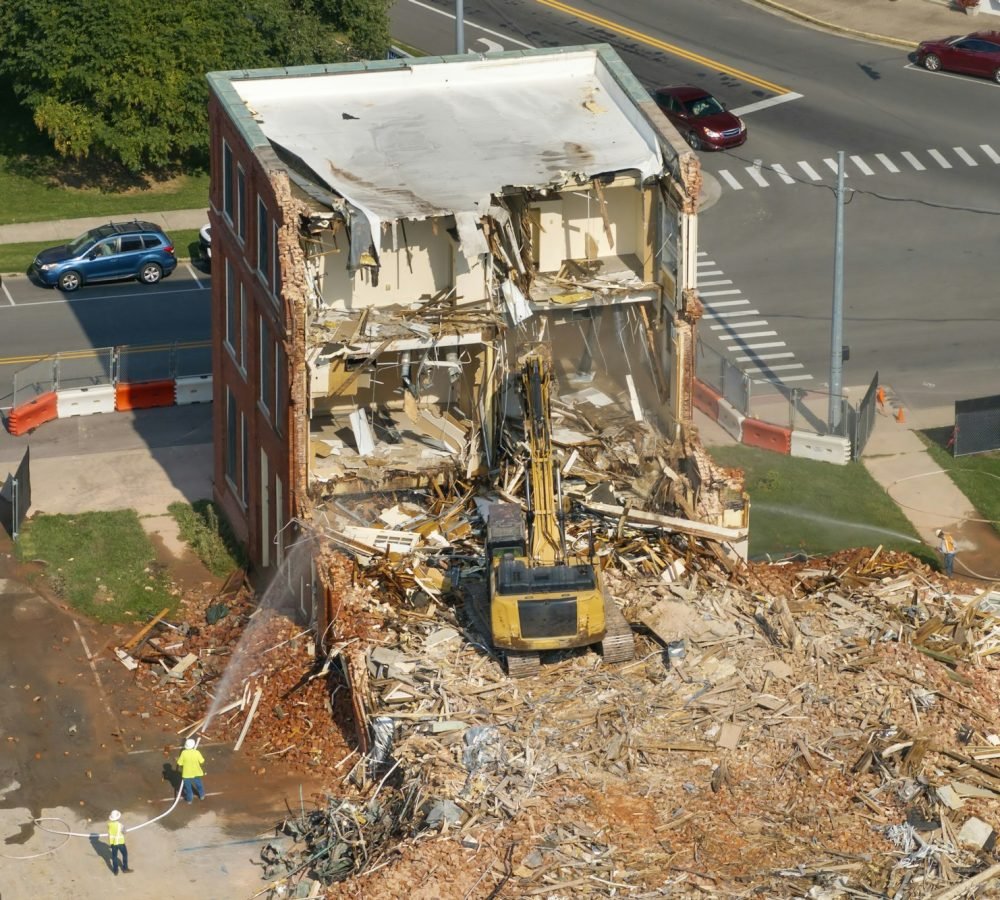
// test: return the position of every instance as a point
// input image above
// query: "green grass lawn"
(208, 534)
(15, 258)
(40, 199)
(101, 563)
(978, 477)
(801, 505)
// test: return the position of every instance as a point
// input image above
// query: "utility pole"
(460, 26)
(837, 317)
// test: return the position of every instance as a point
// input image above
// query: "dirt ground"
(80, 737)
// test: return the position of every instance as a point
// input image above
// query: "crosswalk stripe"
(719, 293)
(888, 163)
(938, 157)
(913, 161)
(861, 164)
(990, 152)
(732, 182)
(733, 314)
(756, 370)
(754, 173)
(831, 164)
(732, 325)
(703, 253)
(782, 174)
(719, 303)
(707, 262)
(764, 357)
(810, 171)
(736, 348)
(782, 380)
(965, 156)
(713, 272)
(743, 337)
(715, 283)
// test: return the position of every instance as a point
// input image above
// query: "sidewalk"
(898, 23)
(66, 229)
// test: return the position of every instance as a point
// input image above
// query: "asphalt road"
(918, 298)
(37, 322)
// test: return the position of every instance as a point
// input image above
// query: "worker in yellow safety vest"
(190, 763)
(116, 839)
(947, 549)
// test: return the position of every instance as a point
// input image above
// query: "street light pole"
(460, 26)
(837, 316)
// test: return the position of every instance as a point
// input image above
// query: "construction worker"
(116, 839)
(190, 763)
(946, 547)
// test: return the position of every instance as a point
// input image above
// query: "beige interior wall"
(572, 228)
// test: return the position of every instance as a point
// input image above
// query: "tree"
(124, 80)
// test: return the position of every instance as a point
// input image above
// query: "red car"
(702, 120)
(973, 54)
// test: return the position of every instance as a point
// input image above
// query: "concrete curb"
(837, 29)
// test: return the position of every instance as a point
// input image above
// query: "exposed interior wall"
(422, 265)
(336, 387)
(571, 226)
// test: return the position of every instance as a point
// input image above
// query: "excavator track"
(618, 645)
(522, 664)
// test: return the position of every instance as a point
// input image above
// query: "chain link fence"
(804, 409)
(110, 365)
(977, 425)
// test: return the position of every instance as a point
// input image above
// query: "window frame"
(227, 180)
(263, 242)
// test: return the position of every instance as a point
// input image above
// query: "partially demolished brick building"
(387, 235)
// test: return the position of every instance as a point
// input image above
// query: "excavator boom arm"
(546, 539)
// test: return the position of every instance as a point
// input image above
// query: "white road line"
(810, 171)
(756, 370)
(782, 174)
(718, 303)
(7, 294)
(732, 325)
(990, 152)
(743, 337)
(736, 348)
(888, 163)
(730, 315)
(703, 253)
(754, 173)
(965, 156)
(448, 15)
(938, 157)
(715, 283)
(861, 164)
(765, 356)
(709, 274)
(194, 275)
(913, 161)
(93, 668)
(782, 380)
(720, 293)
(732, 182)
(831, 164)
(765, 104)
(706, 262)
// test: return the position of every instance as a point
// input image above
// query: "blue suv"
(119, 250)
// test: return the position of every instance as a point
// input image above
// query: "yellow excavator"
(540, 596)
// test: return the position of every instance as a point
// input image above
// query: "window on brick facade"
(227, 180)
(241, 203)
(280, 389)
(274, 258)
(245, 453)
(232, 312)
(242, 357)
(263, 242)
(232, 437)
(265, 361)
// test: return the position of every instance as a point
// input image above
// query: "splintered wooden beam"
(250, 715)
(669, 523)
(136, 638)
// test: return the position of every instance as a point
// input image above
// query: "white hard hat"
(115, 815)
(189, 744)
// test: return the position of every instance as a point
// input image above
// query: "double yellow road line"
(89, 354)
(672, 49)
